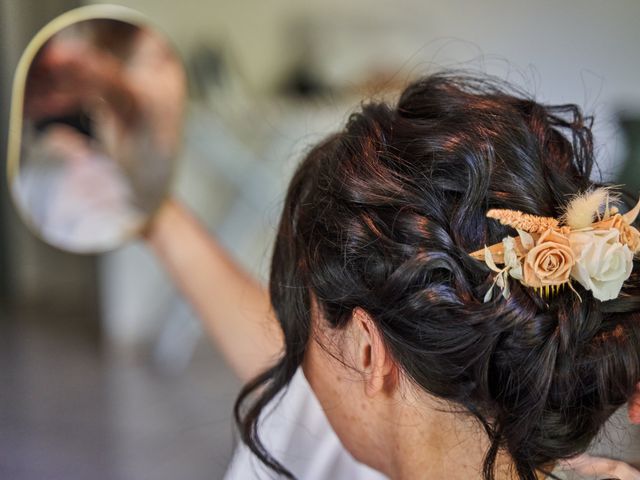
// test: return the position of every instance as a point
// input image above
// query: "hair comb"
(591, 243)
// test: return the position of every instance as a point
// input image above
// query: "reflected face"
(339, 387)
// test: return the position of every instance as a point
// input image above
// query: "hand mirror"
(95, 127)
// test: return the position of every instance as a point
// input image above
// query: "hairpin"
(585, 244)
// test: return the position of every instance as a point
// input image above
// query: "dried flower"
(628, 234)
(550, 261)
(522, 221)
(603, 263)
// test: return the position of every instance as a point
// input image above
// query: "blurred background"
(105, 372)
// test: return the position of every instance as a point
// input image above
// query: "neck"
(418, 442)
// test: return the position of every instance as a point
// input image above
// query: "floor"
(69, 410)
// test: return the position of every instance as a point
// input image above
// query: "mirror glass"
(95, 129)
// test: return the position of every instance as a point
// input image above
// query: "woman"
(376, 302)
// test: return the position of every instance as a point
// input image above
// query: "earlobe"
(374, 358)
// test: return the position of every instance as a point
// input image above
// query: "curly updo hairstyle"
(383, 214)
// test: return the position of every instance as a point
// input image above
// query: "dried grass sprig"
(523, 221)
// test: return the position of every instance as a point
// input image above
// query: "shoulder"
(295, 430)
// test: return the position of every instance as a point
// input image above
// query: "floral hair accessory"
(594, 248)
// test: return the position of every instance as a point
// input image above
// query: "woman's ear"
(372, 356)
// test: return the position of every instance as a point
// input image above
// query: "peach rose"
(550, 261)
(628, 234)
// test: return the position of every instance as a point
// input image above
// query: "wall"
(581, 51)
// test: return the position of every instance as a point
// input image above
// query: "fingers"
(634, 406)
(597, 466)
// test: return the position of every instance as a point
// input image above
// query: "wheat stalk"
(523, 221)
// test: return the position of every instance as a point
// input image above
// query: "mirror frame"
(14, 141)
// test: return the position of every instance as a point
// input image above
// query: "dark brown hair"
(382, 215)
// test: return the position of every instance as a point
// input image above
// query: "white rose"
(603, 263)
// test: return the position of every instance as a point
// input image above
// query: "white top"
(297, 433)
(77, 198)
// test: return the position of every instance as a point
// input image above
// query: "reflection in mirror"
(99, 130)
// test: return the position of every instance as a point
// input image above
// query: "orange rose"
(628, 234)
(550, 261)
